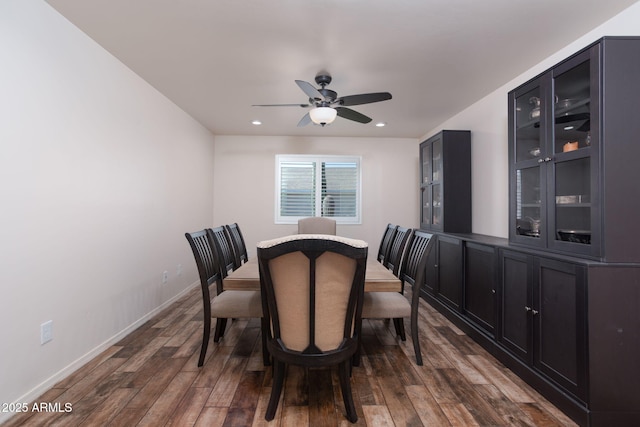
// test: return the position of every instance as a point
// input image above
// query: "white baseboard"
(38, 390)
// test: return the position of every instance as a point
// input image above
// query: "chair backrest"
(223, 250)
(393, 260)
(239, 247)
(313, 288)
(204, 253)
(385, 243)
(415, 261)
(317, 225)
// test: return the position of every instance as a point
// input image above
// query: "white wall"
(100, 176)
(487, 120)
(245, 183)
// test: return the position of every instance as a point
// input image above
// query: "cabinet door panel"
(450, 271)
(431, 276)
(515, 303)
(559, 322)
(479, 285)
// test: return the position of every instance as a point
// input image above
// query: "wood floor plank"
(211, 417)
(396, 399)
(426, 406)
(295, 416)
(377, 415)
(127, 417)
(296, 387)
(501, 381)
(166, 403)
(458, 415)
(113, 404)
(153, 382)
(510, 411)
(483, 412)
(462, 364)
(322, 407)
(261, 410)
(189, 408)
(248, 391)
(209, 373)
(226, 386)
(137, 360)
(187, 331)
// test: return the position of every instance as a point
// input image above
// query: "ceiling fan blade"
(310, 90)
(349, 114)
(364, 98)
(305, 120)
(281, 105)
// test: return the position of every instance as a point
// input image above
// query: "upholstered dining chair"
(317, 225)
(395, 305)
(224, 304)
(312, 290)
(385, 242)
(239, 246)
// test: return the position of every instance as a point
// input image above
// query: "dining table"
(377, 277)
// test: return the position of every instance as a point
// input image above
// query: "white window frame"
(318, 159)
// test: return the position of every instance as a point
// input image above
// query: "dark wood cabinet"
(445, 187)
(570, 130)
(480, 285)
(564, 315)
(559, 323)
(449, 270)
(515, 331)
(543, 318)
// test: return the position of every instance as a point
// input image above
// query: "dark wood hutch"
(558, 302)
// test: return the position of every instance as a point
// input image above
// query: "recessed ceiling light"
(381, 124)
(256, 122)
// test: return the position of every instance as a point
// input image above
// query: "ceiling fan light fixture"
(323, 115)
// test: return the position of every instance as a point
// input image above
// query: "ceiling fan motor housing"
(323, 79)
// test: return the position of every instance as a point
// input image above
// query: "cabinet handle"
(540, 160)
(493, 291)
(534, 312)
(527, 308)
(547, 159)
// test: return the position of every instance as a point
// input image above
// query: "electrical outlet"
(46, 332)
(165, 276)
(179, 270)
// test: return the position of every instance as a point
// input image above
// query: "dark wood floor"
(151, 378)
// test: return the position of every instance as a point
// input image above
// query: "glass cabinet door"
(572, 141)
(425, 185)
(436, 183)
(529, 155)
(431, 185)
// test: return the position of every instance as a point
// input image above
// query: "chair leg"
(345, 384)
(414, 336)
(221, 324)
(266, 357)
(399, 325)
(206, 333)
(276, 389)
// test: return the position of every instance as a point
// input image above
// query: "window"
(317, 186)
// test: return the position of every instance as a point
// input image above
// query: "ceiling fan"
(327, 105)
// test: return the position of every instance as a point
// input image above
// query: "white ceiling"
(215, 58)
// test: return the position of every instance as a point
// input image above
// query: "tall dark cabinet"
(445, 188)
(573, 136)
(558, 301)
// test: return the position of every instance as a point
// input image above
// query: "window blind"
(317, 186)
